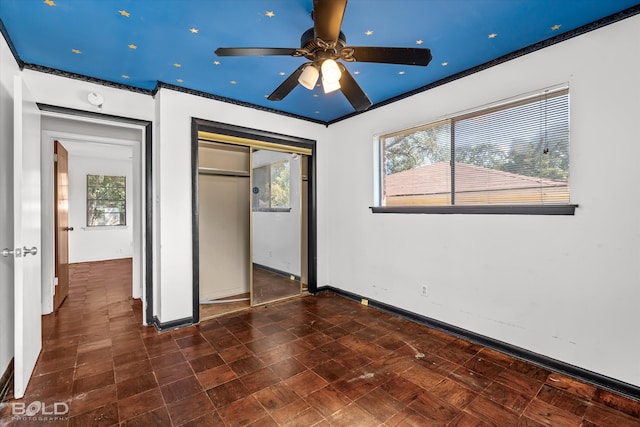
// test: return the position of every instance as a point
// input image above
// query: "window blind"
(515, 154)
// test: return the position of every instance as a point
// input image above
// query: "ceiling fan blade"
(327, 18)
(254, 51)
(287, 86)
(352, 91)
(392, 55)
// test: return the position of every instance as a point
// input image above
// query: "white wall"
(173, 181)
(98, 243)
(566, 287)
(8, 69)
(276, 235)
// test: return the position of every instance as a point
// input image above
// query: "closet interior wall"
(224, 221)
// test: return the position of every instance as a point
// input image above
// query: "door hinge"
(55, 157)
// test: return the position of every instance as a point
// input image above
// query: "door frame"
(201, 125)
(143, 164)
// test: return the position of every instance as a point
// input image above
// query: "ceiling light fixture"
(309, 77)
(330, 86)
(330, 76)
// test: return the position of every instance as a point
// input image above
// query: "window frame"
(499, 209)
(88, 200)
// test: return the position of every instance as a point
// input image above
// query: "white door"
(26, 235)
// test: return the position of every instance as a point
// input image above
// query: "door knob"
(68, 228)
(31, 251)
(7, 252)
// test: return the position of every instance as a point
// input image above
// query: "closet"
(252, 220)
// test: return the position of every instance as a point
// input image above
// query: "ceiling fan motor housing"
(318, 49)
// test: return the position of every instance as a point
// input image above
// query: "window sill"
(480, 209)
(105, 228)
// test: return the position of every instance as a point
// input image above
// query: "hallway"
(320, 360)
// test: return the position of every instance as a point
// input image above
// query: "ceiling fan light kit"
(309, 77)
(330, 75)
(323, 45)
(329, 86)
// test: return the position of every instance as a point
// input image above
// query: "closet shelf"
(218, 171)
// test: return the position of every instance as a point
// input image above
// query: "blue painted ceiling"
(138, 43)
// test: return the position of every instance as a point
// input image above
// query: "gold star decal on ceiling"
(492, 35)
(368, 33)
(177, 65)
(556, 27)
(124, 76)
(315, 95)
(401, 73)
(124, 13)
(216, 62)
(282, 73)
(233, 82)
(76, 51)
(133, 46)
(180, 80)
(419, 41)
(444, 64)
(269, 14)
(49, 3)
(194, 30)
(356, 72)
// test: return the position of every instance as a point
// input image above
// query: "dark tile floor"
(315, 360)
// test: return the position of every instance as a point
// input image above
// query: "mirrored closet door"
(276, 208)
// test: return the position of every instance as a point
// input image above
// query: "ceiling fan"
(322, 45)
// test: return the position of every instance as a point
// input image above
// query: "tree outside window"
(516, 153)
(271, 187)
(106, 200)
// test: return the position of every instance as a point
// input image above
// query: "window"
(106, 200)
(271, 187)
(512, 154)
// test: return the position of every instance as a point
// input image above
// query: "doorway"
(253, 218)
(93, 131)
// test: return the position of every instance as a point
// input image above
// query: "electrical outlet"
(424, 290)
